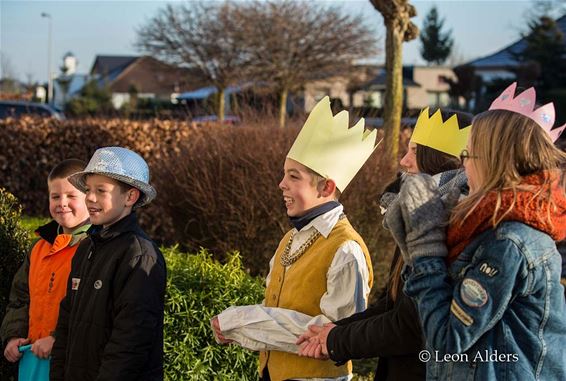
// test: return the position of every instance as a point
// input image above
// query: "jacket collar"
(126, 224)
(50, 232)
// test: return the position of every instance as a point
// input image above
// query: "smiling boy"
(41, 281)
(321, 271)
(111, 321)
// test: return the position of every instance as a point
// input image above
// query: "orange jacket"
(50, 265)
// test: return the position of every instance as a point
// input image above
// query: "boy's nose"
(282, 185)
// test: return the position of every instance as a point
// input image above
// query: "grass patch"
(32, 223)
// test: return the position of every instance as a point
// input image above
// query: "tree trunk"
(393, 105)
(396, 16)
(283, 107)
(221, 104)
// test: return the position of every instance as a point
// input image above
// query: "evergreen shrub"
(14, 244)
(198, 288)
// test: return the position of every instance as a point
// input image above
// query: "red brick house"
(141, 76)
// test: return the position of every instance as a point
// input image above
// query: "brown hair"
(66, 168)
(317, 179)
(508, 147)
(430, 161)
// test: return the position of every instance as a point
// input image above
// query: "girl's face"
(409, 161)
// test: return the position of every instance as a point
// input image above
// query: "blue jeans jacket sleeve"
(456, 313)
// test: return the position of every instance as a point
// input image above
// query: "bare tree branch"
(201, 36)
(292, 42)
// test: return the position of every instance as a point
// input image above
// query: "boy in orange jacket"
(40, 283)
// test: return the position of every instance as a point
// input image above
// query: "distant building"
(69, 83)
(142, 76)
(502, 64)
(423, 86)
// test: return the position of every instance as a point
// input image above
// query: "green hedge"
(14, 244)
(198, 288)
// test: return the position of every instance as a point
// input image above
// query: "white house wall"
(432, 86)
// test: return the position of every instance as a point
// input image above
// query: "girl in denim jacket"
(487, 287)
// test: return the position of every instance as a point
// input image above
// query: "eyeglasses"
(466, 155)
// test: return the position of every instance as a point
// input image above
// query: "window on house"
(321, 93)
(438, 99)
(374, 99)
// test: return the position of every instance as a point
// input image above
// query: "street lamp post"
(49, 42)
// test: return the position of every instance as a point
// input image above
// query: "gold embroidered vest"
(300, 289)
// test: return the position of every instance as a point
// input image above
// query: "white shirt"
(261, 328)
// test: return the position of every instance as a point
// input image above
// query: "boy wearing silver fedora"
(110, 324)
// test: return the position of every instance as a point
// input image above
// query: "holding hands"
(312, 343)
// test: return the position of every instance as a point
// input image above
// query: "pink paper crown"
(524, 104)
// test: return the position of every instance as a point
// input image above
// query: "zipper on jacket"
(91, 249)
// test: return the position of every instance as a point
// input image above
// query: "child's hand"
(42, 347)
(218, 333)
(313, 342)
(11, 351)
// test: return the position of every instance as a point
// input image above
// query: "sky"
(108, 27)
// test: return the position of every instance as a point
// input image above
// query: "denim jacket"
(498, 313)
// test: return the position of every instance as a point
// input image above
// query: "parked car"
(18, 108)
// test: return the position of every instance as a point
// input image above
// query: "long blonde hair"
(508, 146)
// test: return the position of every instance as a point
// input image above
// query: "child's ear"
(328, 189)
(133, 196)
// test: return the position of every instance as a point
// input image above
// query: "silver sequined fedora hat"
(120, 164)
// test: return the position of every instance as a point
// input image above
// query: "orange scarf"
(526, 210)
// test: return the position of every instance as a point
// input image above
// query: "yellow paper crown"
(327, 146)
(433, 132)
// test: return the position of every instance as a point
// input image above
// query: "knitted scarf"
(526, 210)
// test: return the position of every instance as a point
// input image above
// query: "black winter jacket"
(110, 323)
(388, 330)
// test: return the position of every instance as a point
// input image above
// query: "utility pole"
(49, 74)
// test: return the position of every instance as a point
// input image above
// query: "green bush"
(199, 288)
(30, 224)
(14, 244)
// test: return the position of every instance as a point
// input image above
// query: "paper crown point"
(445, 136)
(525, 104)
(329, 147)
